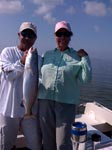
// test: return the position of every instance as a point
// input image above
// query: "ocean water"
(100, 89)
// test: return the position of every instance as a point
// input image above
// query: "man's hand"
(23, 59)
(82, 52)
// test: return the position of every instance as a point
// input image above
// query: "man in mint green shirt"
(58, 95)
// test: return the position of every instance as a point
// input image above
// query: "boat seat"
(96, 115)
(104, 127)
(87, 119)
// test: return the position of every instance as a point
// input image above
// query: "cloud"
(96, 28)
(95, 8)
(46, 7)
(49, 18)
(43, 9)
(50, 2)
(10, 6)
(110, 8)
(71, 10)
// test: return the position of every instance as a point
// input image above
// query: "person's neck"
(22, 48)
(63, 49)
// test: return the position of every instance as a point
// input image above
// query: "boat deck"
(95, 116)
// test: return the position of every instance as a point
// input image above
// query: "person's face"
(27, 38)
(62, 37)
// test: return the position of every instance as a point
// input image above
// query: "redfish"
(30, 81)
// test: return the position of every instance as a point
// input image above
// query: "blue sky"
(91, 23)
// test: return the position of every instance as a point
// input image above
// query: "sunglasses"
(29, 35)
(65, 34)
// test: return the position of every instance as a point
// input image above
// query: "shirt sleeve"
(11, 69)
(85, 73)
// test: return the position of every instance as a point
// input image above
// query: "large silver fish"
(30, 81)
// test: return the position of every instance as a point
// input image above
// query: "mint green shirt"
(61, 72)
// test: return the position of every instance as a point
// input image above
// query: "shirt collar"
(67, 50)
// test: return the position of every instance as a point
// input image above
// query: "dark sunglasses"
(65, 34)
(29, 35)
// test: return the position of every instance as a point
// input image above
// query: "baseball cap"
(28, 25)
(63, 24)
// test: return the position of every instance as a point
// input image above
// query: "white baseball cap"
(63, 24)
(28, 25)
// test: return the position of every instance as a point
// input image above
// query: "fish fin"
(21, 104)
(32, 49)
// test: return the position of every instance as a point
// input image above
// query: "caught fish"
(30, 81)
